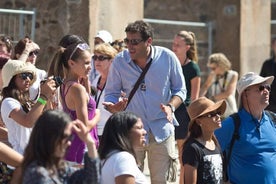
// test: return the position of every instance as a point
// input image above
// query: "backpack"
(236, 136)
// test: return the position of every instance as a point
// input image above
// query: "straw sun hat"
(203, 106)
(14, 67)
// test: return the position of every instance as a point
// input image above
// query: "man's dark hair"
(141, 27)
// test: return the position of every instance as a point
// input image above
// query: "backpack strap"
(235, 136)
(272, 116)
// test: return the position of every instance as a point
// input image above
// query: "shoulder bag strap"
(138, 82)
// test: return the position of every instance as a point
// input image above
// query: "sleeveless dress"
(75, 152)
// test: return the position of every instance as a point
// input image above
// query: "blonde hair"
(106, 49)
(220, 60)
(190, 39)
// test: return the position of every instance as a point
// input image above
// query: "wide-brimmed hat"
(203, 106)
(250, 79)
(14, 67)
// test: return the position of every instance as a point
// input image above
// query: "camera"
(58, 80)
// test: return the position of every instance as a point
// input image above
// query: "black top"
(208, 162)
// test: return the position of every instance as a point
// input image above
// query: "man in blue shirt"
(159, 93)
(253, 157)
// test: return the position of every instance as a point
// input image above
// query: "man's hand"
(119, 106)
(168, 111)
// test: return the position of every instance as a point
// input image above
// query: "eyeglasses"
(35, 53)
(100, 58)
(133, 41)
(81, 46)
(24, 76)
(212, 114)
(265, 86)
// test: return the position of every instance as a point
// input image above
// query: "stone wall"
(54, 19)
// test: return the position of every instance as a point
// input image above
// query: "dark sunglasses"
(35, 52)
(133, 41)
(100, 58)
(265, 86)
(212, 114)
(24, 76)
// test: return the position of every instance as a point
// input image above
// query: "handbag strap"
(142, 76)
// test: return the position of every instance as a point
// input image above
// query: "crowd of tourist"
(95, 114)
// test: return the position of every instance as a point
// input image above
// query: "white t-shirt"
(99, 98)
(121, 163)
(18, 135)
(35, 88)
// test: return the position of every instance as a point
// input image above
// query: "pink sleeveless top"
(76, 151)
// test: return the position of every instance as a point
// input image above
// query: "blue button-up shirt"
(163, 80)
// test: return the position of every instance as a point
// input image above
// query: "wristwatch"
(172, 107)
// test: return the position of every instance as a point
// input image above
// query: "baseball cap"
(105, 36)
(250, 79)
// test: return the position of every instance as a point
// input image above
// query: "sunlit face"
(102, 62)
(32, 57)
(210, 121)
(257, 95)
(23, 81)
(139, 50)
(82, 66)
(180, 47)
(62, 146)
(97, 41)
(137, 134)
(3, 48)
(216, 69)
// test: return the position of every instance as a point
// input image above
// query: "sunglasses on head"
(212, 114)
(265, 86)
(133, 41)
(100, 57)
(81, 46)
(35, 53)
(24, 76)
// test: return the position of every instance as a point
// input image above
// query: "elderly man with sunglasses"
(158, 93)
(253, 156)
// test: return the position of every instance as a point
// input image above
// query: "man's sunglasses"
(35, 53)
(24, 76)
(133, 41)
(100, 58)
(265, 86)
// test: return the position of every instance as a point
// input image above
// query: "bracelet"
(42, 101)
(44, 96)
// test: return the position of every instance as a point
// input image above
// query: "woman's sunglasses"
(24, 76)
(212, 114)
(100, 58)
(35, 53)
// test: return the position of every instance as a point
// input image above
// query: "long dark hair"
(46, 135)
(195, 132)
(12, 91)
(116, 134)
